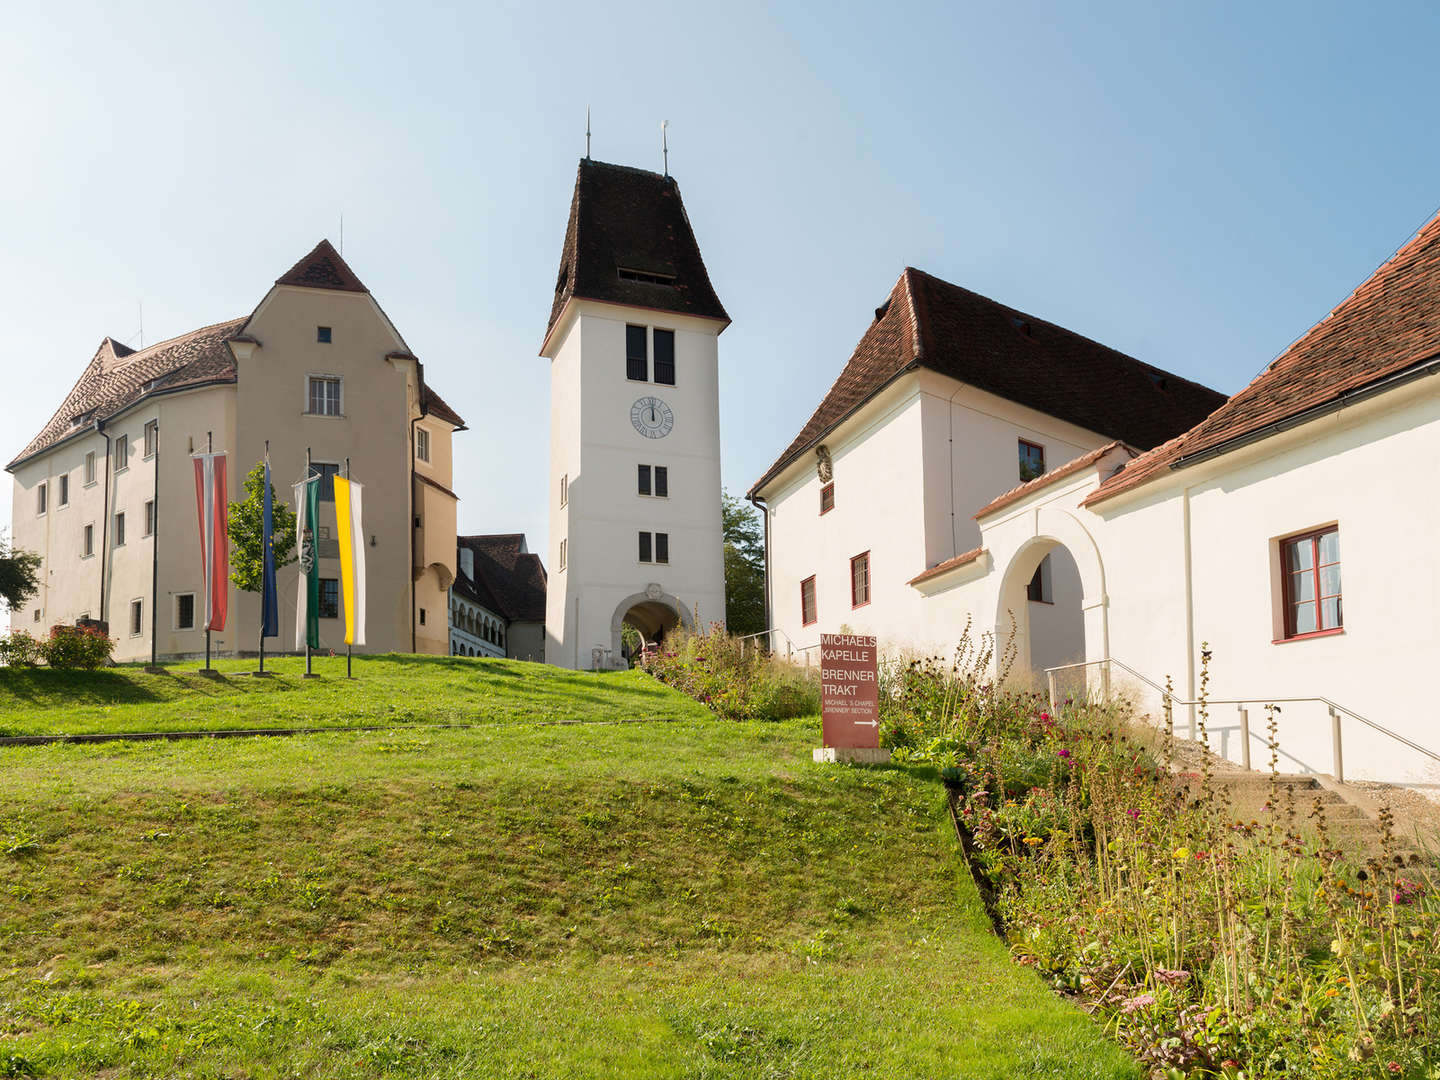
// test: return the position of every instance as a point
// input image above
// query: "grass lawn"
(390, 690)
(518, 900)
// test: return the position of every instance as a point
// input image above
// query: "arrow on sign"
(867, 723)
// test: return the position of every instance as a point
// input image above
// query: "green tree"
(19, 574)
(744, 566)
(247, 552)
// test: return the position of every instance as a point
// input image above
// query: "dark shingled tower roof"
(930, 323)
(631, 220)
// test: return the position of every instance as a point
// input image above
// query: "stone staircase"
(1350, 817)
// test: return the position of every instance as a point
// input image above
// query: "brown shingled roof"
(323, 268)
(509, 573)
(927, 322)
(117, 378)
(1069, 468)
(632, 220)
(435, 405)
(1390, 323)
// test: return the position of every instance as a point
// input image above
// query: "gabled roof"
(1390, 323)
(930, 323)
(511, 575)
(323, 268)
(624, 219)
(118, 377)
(1059, 473)
(965, 558)
(115, 379)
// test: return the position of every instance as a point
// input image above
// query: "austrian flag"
(212, 503)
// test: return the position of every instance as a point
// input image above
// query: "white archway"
(653, 612)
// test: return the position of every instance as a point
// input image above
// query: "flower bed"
(1207, 946)
(737, 680)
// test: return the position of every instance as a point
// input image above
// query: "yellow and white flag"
(351, 535)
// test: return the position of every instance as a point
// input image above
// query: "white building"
(1286, 531)
(497, 603)
(105, 492)
(635, 532)
(948, 400)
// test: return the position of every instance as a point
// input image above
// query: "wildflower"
(1394, 1067)
(1044, 716)
(1065, 753)
(1133, 814)
(1171, 975)
(1032, 840)
(1181, 854)
(1135, 1004)
(1332, 992)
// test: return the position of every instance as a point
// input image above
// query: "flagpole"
(155, 558)
(209, 561)
(263, 540)
(353, 587)
(313, 567)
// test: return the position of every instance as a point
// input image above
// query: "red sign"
(849, 691)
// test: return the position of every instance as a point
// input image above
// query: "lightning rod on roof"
(665, 145)
(587, 132)
(342, 232)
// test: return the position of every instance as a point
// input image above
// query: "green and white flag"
(307, 596)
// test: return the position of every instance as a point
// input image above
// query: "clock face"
(652, 417)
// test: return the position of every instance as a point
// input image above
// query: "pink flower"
(1170, 976)
(1135, 1004)
(1065, 753)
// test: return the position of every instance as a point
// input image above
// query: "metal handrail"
(788, 640)
(1169, 697)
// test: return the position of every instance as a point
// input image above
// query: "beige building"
(105, 493)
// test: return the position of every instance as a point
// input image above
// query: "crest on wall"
(823, 465)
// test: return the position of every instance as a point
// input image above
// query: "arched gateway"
(653, 612)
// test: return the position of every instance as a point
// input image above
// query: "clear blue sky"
(1192, 184)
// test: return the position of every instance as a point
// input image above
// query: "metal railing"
(1169, 700)
(791, 649)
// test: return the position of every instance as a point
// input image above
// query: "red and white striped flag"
(211, 501)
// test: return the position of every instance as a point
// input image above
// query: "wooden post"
(1245, 737)
(1050, 675)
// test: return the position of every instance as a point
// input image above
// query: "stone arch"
(1051, 528)
(652, 612)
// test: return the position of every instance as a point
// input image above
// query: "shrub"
(77, 647)
(737, 681)
(1209, 947)
(21, 649)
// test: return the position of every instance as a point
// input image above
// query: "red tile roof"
(633, 220)
(323, 268)
(1386, 325)
(117, 378)
(435, 405)
(948, 565)
(1069, 468)
(927, 322)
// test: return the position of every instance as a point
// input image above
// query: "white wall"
(594, 442)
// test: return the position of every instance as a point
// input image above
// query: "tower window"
(646, 554)
(662, 482)
(644, 480)
(637, 355)
(662, 547)
(1032, 461)
(643, 277)
(322, 334)
(665, 357)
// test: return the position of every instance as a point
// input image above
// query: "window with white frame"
(149, 517)
(564, 490)
(88, 542)
(564, 545)
(323, 398)
(42, 498)
(90, 468)
(120, 529)
(122, 453)
(185, 611)
(137, 617)
(152, 437)
(422, 444)
(62, 492)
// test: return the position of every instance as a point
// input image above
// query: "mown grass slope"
(388, 690)
(648, 900)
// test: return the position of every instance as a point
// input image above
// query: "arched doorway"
(654, 613)
(1054, 589)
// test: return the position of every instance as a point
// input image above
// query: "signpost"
(850, 699)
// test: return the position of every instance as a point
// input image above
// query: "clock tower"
(635, 528)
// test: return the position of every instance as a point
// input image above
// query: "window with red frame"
(807, 601)
(860, 580)
(827, 498)
(1311, 564)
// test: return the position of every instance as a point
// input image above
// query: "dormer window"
(643, 277)
(322, 335)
